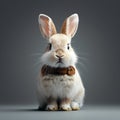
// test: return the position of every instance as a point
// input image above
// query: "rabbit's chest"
(63, 81)
(58, 85)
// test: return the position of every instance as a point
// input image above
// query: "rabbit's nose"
(59, 53)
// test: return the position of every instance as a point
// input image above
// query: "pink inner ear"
(44, 26)
(47, 27)
(71, 28)
(46, 30)
(70, 25)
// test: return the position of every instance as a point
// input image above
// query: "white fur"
(50, 107)
(70, 56)
(65, 107)
(75, 106)
(53, 86)
(62, 86)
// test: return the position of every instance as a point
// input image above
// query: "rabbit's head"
(59, 52)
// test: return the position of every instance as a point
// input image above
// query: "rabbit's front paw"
(65, 104)
(51, 104)
(65, 107)
(75, 106)
(52, 107)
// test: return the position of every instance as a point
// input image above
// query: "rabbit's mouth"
(59, 61)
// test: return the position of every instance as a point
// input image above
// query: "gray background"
(97, 42)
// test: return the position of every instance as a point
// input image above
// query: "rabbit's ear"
(70, 25)
(47, 26)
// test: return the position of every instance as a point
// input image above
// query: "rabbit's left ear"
(70, 25)
(47, 26)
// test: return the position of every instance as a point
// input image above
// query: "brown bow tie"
(57, 71)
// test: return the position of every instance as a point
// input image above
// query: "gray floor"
(86, 113)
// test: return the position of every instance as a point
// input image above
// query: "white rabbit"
(59, 86)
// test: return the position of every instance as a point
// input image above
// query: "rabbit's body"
(59, 87)
(63, 90)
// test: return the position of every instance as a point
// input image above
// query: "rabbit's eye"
(68, 47)
(49, 47)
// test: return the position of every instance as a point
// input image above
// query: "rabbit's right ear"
(70, 25)
(47, 26)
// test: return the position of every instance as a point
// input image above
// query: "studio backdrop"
(97, 43)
